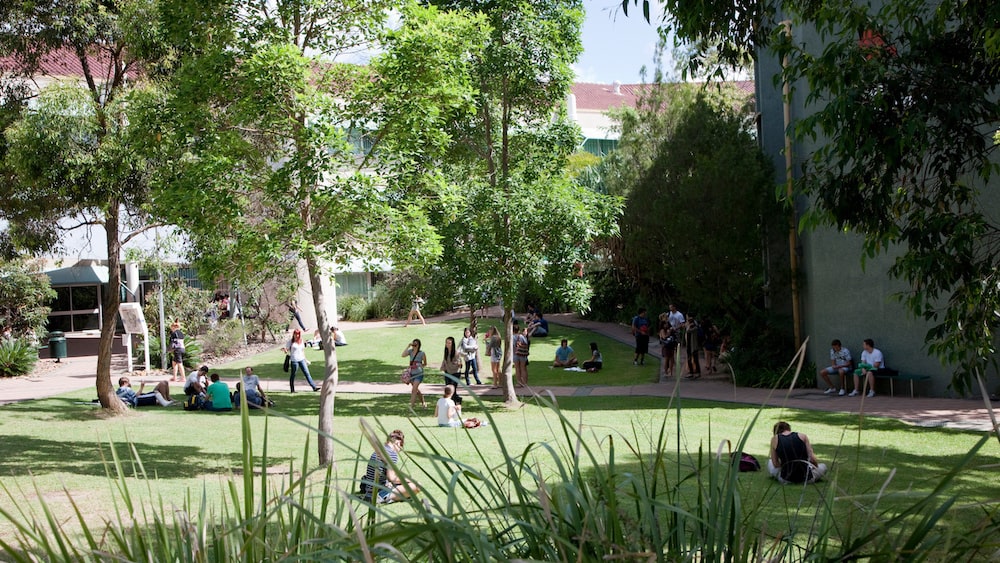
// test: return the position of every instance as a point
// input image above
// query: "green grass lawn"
(55, 445)
(374, 355)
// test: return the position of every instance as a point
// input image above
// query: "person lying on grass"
(160, 395)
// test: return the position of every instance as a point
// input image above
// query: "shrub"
(353, 308)
(24, 291)
(380, 306)
(17, 357)
(224, 338)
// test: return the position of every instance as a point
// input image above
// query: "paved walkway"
(969, 414)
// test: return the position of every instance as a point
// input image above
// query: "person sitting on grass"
(538, 327)
(446, 411)
(196, 384)
(596, 361)
(160, 395)
(255, 394)
(381, 484)
(792, 459)
(218, 395)
(565, 357)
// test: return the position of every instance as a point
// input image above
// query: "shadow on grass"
(41, 456)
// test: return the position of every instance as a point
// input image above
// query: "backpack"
(747, 462)
(194, 403)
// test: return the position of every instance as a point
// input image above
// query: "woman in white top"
(446, 411)
(296, 351)
(470, 349)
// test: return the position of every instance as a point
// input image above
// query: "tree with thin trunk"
(280, 152)
(69, 156)
(517, 216)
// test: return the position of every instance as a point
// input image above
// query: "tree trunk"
(509, 396)
(331, 377)
(109, 315)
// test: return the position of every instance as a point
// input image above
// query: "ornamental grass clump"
(585, 495)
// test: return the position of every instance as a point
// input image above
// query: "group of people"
(566, 357)
(209, 392)
(841, 363)
(459, 361)
(673, 329)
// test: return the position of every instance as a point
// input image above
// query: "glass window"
(60, 322)
(62, 301)
(88, 321)
(85, 297)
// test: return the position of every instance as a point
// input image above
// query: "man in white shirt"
(871, 361)
(840, 364)
(675, 318)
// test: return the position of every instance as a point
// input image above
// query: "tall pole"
(793, 257)
(163, 321)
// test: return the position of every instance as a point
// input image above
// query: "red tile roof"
(65, 63)
(603, 97)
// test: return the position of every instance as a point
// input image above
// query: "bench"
(893, 376)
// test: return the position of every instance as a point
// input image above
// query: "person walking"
(451, 366)
(415, 310)
(296, 351)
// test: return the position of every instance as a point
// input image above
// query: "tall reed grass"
(583, 497)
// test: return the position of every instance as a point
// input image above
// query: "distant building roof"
(64, 62)
(602, 97)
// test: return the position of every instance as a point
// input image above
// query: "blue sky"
(616, 46)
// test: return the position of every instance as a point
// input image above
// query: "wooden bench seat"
(892, 377)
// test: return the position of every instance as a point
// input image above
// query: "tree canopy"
(517, 217)
(903, 110)
(71, 154)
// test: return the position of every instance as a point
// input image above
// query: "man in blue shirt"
(564, 355)
(538, 327)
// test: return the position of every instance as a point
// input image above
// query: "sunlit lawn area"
(56, 443)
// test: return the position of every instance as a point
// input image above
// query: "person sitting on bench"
(872, 361)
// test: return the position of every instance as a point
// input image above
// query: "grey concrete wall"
(840, 298)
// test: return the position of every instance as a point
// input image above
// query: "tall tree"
(919, 80)
(70, 154)
(279, 151)
(518, 217)
(702, 211)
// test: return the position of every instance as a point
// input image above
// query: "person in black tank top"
(792, 459)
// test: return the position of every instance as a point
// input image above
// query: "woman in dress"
(417, 362)
(415, 310)
(521, 348)
(668, 346)
(296, 350)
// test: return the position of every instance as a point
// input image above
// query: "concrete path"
(77, 373)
